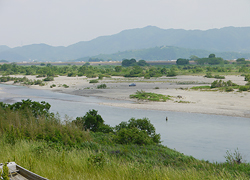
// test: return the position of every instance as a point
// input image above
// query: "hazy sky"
(65, 22)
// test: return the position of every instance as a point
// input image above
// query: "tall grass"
(74, 164)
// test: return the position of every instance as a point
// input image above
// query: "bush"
(102, 86)
(49, 78)
(65, 85)
(142, 95)
(171, 73)
(247, 77)
(93, 81)
(96, 160)
(71, 74)
(209, 75)
(219, 77)
(136, 131)
(91, 121)
(244, 88)
(100, 77)
(221, 83)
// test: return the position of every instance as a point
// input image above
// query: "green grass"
(142, 95)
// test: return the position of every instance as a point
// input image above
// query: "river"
(202, 136)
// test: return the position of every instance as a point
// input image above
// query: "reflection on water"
(203, 136)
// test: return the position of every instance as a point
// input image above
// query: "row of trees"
(132, 62)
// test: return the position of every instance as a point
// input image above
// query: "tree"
(142, 63)
(118, 69)
(211, 56)
(136, 131)
(241, 61)
(181, 61)
(127, 62)
(193, 57)
(91, 121)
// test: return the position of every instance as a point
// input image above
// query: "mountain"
(228, 39)
(4, 48)
(164, 53)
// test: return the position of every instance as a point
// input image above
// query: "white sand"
(208, 102)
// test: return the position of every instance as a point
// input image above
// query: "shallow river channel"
(202, 136)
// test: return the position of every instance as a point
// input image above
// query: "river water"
(202, 136)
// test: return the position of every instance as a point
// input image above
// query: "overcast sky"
(65, 22)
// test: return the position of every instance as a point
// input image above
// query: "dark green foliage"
(244, 88)
(102, 86)
(49, 78)
(241, 61)
(142, 63)
(244, 69)
(65, 85)
(171, 73)
(219, 77)
(91, 121)
(132, 62)
(93, 81)
(211, 56)
(211, 60)
(209, 75)
(127, 62)
(142, 95)
(220, 83)
(118, 68)
(71, 74)
(136, 131)
(136, 71)
(132, 136)
(37, 109)
(181, 61)
(247, 77)
(97, 160)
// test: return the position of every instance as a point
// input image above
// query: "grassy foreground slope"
(40, 142)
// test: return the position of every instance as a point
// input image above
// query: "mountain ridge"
(227, 39)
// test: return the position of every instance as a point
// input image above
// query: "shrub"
(171, 73)
(53, 85)
(91, 121)
(229, 89)
(102, 86)
(247, 77)
(71, 74)
(147, 76)
(142, 95)
(93, 81)
(136, 131)
(219, 77)
(244, 88)
(209, 75)
(96, 160)
(49, 78)
(100, 77)
(65, 85)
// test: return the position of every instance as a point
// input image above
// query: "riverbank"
(183, 99)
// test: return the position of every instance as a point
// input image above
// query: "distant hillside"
(164, 53)
(228, 39)
(4, 48)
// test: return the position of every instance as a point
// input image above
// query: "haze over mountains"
(149, 43)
